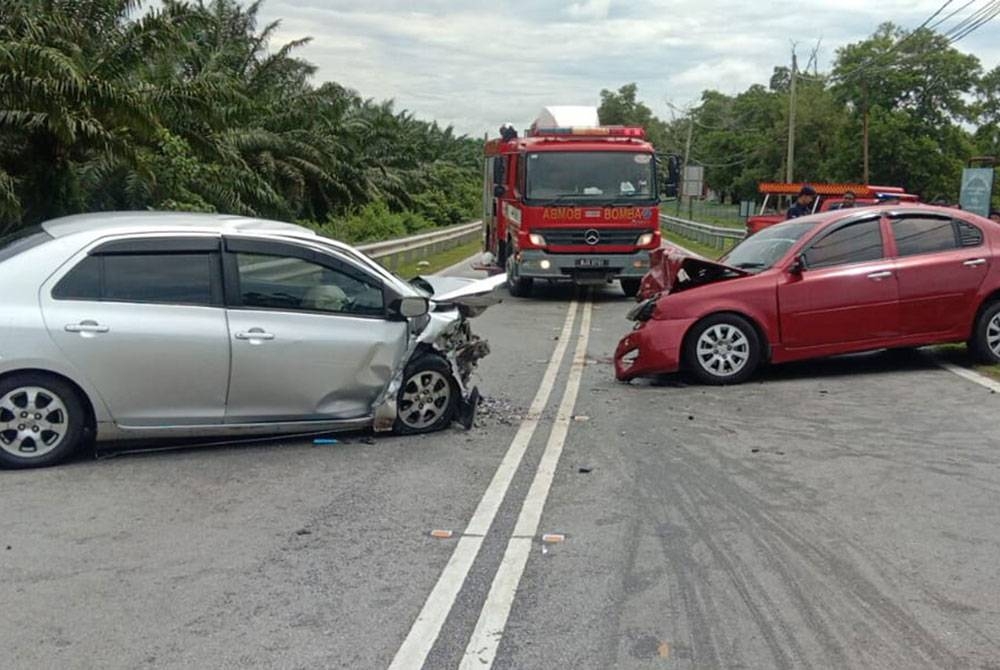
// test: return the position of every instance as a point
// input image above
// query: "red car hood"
(672, 270)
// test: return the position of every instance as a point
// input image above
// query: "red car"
(831, 283)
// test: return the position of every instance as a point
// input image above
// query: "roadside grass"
(439, 261)
(712, 213)
(958, 354)
(697, 247)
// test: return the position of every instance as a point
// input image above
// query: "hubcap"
(33, 422)
(723, 350)
(993, 335)
(425, 399)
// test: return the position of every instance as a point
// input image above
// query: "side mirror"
(499, 190)
(409, 307)
(799, 266)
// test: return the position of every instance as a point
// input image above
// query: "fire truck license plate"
(591, 262)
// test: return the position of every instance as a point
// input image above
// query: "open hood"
(471, 295)
(672, 270)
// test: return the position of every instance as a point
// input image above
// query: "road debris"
(442, 534)
(553, 538)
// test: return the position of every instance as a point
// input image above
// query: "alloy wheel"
(993, 335)
(33, 422)
(723, 350)
(426, 397)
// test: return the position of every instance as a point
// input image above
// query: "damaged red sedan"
(826, 284)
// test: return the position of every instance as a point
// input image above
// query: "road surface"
(838, 514)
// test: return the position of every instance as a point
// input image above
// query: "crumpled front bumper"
(447, 333)
(654, 347)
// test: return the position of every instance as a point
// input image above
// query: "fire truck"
(778, 196)
(571, 201)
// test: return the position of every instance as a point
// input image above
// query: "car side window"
(968, 234)
(288, 283)
(854, 243)
(924, 235)
(155, 278)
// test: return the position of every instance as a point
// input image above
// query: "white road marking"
(482, 648)
(425, 630)
(969, 375)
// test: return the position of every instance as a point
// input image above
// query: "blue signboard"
(977, 190)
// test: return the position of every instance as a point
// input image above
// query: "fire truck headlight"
(536, 239)
(645, 239)
(545, 264)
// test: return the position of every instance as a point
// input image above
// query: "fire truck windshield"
(590, 177)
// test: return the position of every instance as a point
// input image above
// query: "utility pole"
(687, 154)
(790, 163)
(864, 124)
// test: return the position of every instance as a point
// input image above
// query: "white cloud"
(478, 63)
(591, 9)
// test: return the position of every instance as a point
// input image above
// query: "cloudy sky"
(475, 64)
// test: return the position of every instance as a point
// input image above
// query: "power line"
(953, 13)
(861, 68)
(983, 20)
(970, 19)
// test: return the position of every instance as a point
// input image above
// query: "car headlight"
(536, 239)
(645, 239)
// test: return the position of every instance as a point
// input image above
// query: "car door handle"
(86, 327)
(255, 335)
(878, 276)
(974, 262)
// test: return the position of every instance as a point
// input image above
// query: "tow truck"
(571, 201)
(778, 196)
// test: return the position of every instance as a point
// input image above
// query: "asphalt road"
(838, 514)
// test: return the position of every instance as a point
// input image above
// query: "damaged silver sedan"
(129, 326)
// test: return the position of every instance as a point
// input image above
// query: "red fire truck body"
(574, 204)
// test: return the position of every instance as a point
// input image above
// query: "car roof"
(827, 216)
(168, 221)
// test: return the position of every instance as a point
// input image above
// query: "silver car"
(124, 326)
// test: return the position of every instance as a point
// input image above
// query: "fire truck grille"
(586, 237)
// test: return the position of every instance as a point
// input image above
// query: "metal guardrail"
(393, 253)
(390, 253)
(717, 237)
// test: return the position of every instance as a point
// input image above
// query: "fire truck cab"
(571, 201)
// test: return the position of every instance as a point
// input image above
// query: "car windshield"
(606, 177)
(759, 252)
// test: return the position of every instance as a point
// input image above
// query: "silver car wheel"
(723, 350)
(426, 397)
(993, 335)
(33, 422)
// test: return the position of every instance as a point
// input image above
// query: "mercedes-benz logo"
(591, 237)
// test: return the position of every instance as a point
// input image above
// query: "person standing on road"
(803, 203)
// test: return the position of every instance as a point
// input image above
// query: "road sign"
(977, 190)
(694, 181)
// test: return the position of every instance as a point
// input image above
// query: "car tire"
(428, 398)
(517, 286)
(54, 419)
(722, 349)
(630, 287)
(985, 342)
